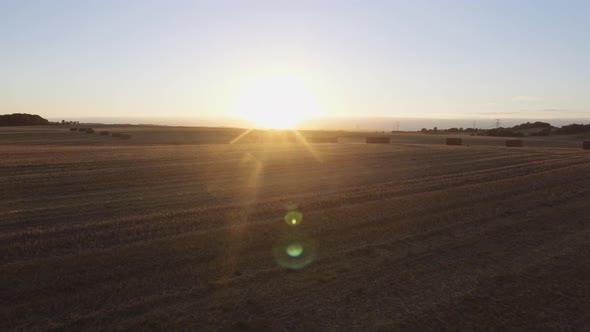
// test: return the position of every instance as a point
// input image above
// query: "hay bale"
(82, 129)
(73, 129)
(514, 143)
(89, 131)
(454, 141)
(586, 145)
(104, 133)
(378, 140)
(116, 134)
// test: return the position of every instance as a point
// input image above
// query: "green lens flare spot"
(294, 250)
(293, 218)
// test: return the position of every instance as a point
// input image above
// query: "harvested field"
(379, 140)
(515, 143)
(454, 141)
(416, 235)
(314, 139)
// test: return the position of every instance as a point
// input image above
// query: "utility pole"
(397, 126)
(497, 123)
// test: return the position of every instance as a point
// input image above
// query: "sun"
(276, 101)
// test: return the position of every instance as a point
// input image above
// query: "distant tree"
(543, 132)
(504, 132)
(22, 119)
(573, 128)
(533, 125)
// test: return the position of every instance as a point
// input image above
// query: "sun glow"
(276, 101)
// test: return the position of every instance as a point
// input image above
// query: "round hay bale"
(378, 140)
(454, 141)
(586, 145)
(514, 143)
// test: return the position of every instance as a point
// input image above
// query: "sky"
(206, 59)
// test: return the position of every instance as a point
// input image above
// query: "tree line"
(537, 128)
(24, 119)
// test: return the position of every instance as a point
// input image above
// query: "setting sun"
(276, 101)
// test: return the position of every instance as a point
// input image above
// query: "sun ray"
(242, 135)
(237, 221)
(308, 146)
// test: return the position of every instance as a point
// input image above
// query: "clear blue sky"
(444, 59)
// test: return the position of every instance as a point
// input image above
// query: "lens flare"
(294, 250)
(293, 218)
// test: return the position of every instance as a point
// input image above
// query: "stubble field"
(171, 230)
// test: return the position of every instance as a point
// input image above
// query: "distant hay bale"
(378, 140)
(586, 145)
(82, 129)
(73, 129)
(454, 141)
(89, 131)
(104, 133)
(322, 139)
(514, 143)
(116, 134)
